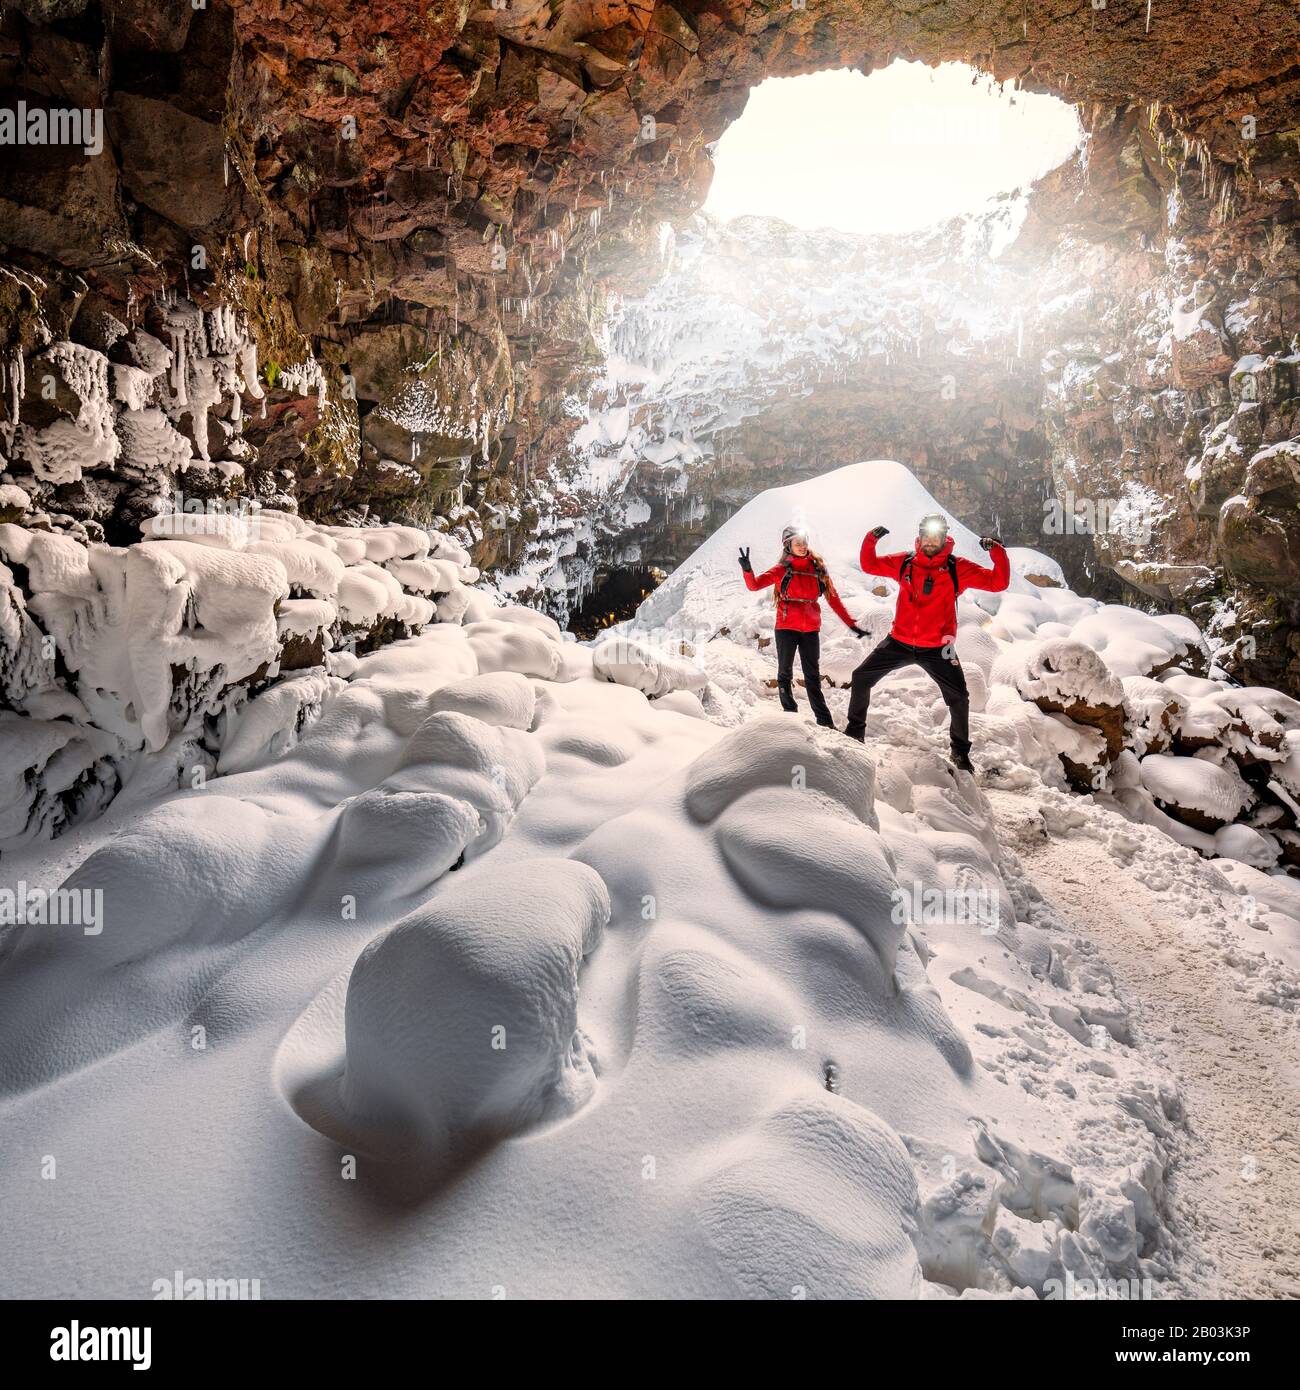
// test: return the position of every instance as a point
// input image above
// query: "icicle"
(18, 385)
(1148, 16)
(225, 169)
(180, 365)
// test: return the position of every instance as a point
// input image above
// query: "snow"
(1197, 784)
(1059, 670)
(456, 916)
(60, 451)
(629, 662)
(1185, 322)
(11, 495)
(425, 999)
(205, 594)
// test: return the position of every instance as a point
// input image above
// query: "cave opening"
(892, 151)
(849, 291)
(845, 294)
(615, 596)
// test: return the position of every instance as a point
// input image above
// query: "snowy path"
(1237, 1062)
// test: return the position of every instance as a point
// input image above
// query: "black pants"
(946, 673)
(808, 645)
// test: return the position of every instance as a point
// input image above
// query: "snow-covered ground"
(507, 979)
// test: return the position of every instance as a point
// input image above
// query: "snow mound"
(462, 1021)
(782, 753)
(506, 699)
(625, 661)
(809, 1200)
(412, 837)
(1132, 643)
(1060, 670)
(511, 646)
(492, 768)
(1196, 785)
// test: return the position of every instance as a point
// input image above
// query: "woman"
(800, 578)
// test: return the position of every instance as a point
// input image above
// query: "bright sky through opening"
(900, 149)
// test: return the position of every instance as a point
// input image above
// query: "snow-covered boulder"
(462, 1021)
(650, 669)
(1070, 680)
(1248, 846)
(1134, 644)
(1154, 713)
(1195, 790)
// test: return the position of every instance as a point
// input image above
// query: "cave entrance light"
(890, 152)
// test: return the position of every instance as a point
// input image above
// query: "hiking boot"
(962, 762)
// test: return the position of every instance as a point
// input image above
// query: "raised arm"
(754, 582)
(890, 566)
(973, 576)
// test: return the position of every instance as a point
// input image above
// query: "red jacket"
(801, 610)
(930, 620)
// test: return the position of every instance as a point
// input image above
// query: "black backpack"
(905, 574)
(784, 589)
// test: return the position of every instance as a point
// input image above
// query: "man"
(925, 622)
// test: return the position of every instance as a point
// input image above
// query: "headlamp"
(934, 526)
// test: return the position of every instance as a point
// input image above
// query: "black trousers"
(809, 646)
(946, 673)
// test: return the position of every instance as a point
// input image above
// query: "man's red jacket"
(930, 620)
(801, 610)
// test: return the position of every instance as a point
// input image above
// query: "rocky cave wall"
(417, 211)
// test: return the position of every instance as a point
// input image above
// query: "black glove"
(744, 560)
(988, 542)
(879, 531)
(857, 631)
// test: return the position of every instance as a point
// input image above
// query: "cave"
(615, 596)
(457, 718)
